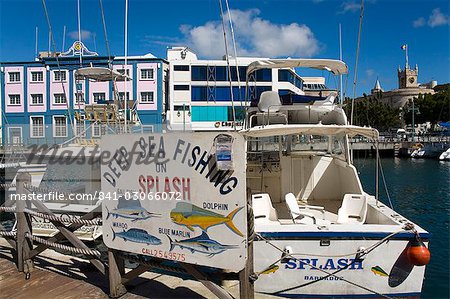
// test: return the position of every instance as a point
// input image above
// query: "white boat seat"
(353, 209)
(302, 215)
(263, 208)
(305, 207)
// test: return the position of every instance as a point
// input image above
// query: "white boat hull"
(305, 275)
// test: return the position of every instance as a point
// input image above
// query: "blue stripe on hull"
(394, 295)
(340, 235)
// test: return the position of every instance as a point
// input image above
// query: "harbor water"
(420, 191)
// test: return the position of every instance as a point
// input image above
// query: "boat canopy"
(319, 129)
(101, 74)
(337, 67)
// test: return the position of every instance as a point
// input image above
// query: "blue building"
(43, 102)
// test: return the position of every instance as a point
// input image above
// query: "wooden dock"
(42, 284)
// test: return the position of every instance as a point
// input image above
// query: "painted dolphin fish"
(202, 244)
(190, 216)
(136, 213)
(377, 270)
(271, 269)
(137, 235)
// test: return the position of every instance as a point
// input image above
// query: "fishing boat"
(318, 233)
(445, 155)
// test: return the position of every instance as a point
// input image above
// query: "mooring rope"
(84, 251)
(8, 209)
(62, 219)
(8, 234)
(7, 186)
(29, 187)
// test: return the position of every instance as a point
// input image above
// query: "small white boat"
(445, 155)
(318, 233)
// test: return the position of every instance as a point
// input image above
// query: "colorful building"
(43, 102)
(200, 96)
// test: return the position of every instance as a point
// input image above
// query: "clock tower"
(408, 77)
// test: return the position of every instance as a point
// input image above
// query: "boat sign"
(166, 196)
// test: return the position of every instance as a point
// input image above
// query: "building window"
(80, 126)
(198, 73)
(122, 72)
(37, 99)
(37, 76)
(290, 76)
(59, 75)
(181, 87)
(181, 68)
(14, 77)
(37, 126)
(14, 99)
(79, 97)
(147, 74)
(122, 96)
(147, 97)
(59, 98)
(99, 96)
(59, 126)
(98, 130)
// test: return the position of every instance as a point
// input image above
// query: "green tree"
(371, 111)
(433, 108)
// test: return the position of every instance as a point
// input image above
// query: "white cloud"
(349, 6)
(437, 18)
(254, 37)
(420, 22)
(85, 35)
(370, 72)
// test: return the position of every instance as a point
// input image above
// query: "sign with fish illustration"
(168, 196)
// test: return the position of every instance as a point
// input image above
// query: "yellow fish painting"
(377, 270)
(271, 269)
(192, 216)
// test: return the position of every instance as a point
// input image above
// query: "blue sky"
(268, 28)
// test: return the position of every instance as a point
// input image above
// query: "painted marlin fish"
(190, 216)
(202, 244)
(136, 213)
(377, 270)
(137, 235)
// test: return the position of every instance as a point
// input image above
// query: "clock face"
(411, 80)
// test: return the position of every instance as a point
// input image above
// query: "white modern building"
(200, 95)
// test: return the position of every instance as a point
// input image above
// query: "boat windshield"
(299, 144)
(317, 143)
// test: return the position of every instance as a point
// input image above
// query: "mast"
(228, 65)
(357, 57)
(341, 99)
(36, 48)
(64, 39)
(79, 30)
(126, 65)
